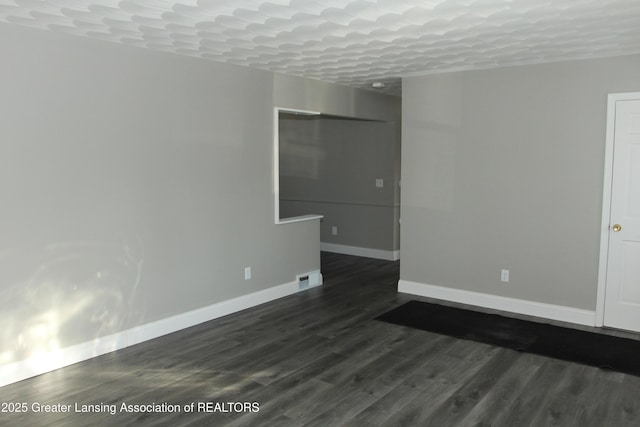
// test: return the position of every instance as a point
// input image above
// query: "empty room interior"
(212, 210)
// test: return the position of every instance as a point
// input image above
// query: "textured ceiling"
(350, 42)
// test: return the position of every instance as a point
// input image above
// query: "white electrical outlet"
(504, 276)
(334, 230)
(379, 183)
(247, 273)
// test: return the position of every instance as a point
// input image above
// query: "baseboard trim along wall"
(358, 251)
(512, 305)
(60, 358)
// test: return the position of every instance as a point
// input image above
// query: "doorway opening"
(345, 170)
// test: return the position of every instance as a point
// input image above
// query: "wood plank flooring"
(319, 359)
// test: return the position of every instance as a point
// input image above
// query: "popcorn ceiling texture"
(350, 42)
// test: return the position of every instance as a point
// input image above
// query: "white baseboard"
(512, 305)
(358, 251)
(60, 358)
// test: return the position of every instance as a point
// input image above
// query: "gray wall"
(329, 166)
(134, 186)
(504, 169)
(305, 94)
(137, 185)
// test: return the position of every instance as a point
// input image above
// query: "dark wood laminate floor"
(319, 359)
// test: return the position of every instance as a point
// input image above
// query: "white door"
(622, 295)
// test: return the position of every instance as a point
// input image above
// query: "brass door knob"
(616, 227)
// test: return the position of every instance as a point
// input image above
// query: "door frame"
(276, 164)
(612, 98)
